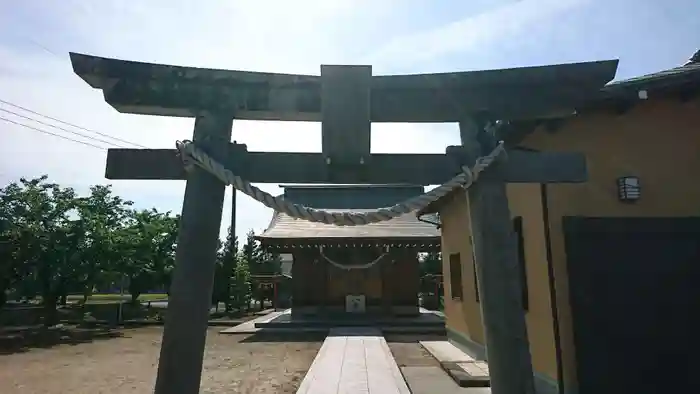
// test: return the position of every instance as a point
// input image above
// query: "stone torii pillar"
(186, 320)
(496, 258)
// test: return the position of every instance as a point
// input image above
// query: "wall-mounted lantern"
(628, 188)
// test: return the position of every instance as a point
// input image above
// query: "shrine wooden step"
(354, 360)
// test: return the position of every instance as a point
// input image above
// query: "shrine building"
(609, 268)
(370, 270)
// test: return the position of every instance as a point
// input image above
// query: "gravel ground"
(127, 364)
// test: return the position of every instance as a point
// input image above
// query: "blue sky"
(395, 36)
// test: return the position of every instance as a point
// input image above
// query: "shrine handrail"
(192, 155)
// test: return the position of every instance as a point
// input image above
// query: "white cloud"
(471, 33)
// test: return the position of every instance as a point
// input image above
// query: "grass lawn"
(108, 298)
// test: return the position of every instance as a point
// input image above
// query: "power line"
(62, 129)
(37, 43)
(72, 125)
(53, 134)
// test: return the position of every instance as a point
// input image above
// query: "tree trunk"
(50, 313)
(62, 292)
(49, 297)
(88, 287)
(135, 296)
(135, 289)
(4, 286)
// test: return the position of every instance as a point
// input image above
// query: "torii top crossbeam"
(527, 92)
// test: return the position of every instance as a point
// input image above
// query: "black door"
(635, 298)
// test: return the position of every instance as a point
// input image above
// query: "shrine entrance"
(355, 291)
(346, 99)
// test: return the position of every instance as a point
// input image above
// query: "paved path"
(249, 326)
(354, 360)
(462, 368)
(444, 351)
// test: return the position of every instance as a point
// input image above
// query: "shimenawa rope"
(192, 155)
(352, 266)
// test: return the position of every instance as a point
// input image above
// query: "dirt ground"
(127, 363)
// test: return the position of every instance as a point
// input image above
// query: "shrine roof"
(681, 74)
(405, 227)
(676, 81)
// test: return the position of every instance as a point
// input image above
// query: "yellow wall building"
(611, 285)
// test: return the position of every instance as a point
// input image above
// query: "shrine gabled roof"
(284, 227)
(678, 78)
(682, 74)
(682, 81)
(678, 81)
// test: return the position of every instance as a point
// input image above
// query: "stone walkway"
(354, 360)
(462, 368)
(249, 326)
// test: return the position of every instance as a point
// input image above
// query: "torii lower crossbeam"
(418, 169)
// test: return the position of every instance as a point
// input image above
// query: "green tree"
(227, 260)
(250, 256)
(165, 244)
(49, 235)
(102, 214)
(251, 252)
(241, 289)
(12, 233)
(220, 288)
(430, 265)
(54, 242)
(147, 246)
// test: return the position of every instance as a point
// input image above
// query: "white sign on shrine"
(355, 303)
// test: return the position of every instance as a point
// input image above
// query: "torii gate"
(346, 99)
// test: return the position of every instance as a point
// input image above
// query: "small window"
(522, 269)
(455, 276)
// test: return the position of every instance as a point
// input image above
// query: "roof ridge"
(666, 73)
(283, 226)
